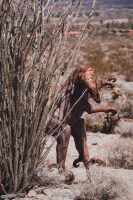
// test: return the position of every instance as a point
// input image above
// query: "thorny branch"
(34, 52)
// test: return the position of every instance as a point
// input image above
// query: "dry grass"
(104, 123)
(104, 186)
(128, 133)
(109, 54)
(120, 155)
(127, 109)
(26, 106)
(93, 125)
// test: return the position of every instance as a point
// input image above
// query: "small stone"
(43, 192)
(39, 190)
(31, 193)
(41, 197)
(94, 143)
(8, 196)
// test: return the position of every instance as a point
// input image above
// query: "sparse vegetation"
(120, 154)
(96, 14)
(105, 123)
(92, 125)
(28, 29)
(118, 25)
(127, 109)
(109, 54)
(104, 187)
(109, 124)
(128, 133)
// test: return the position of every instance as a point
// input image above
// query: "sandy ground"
(56, 189)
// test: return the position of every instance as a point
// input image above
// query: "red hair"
(85, 68)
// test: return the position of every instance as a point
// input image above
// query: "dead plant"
(33, 54)
(120, 154)
(104, 186)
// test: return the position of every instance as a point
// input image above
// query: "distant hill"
(110, 3)
(105, 2)
(116, 2)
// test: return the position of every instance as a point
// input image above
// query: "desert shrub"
(128, 133)
(124, 128)
(96, 127)
(120, 154)
(104, 186)
(105, 124)
(129, 95)
(127, 109)
(109, 53)
(109, 124)
(93, 126)
(26, 106)
(129, 75)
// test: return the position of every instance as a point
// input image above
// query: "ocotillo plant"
(34, 51)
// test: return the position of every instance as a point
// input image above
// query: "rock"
(42, 197)
(8, 196)
(39, 190)
(94, 143)
(69, 177)
(31, 193)
(48, 192)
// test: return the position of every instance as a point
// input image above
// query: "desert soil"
(54, 187)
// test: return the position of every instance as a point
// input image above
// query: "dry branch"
(34, 52)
